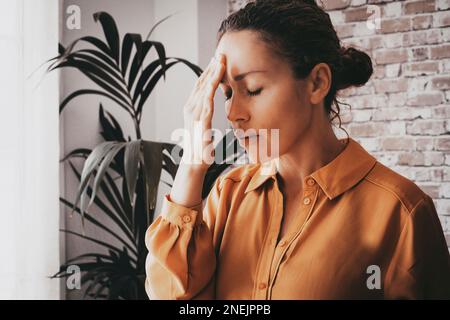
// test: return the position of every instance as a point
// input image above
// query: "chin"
(256, 154)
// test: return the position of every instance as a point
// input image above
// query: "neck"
(307, 155)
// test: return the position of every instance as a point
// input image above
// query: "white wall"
(28, 151)
(189, 34)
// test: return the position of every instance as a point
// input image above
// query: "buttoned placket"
(273, 252)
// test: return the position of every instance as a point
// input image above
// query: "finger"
(207, 71)
(218, 75)
(202, 87)
(196, 94)
(214, 81)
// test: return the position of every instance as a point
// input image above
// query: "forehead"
(244, 51)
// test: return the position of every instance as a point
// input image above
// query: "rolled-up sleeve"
(420, 267)
(181, 258)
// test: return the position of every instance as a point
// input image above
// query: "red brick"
(441, 51)
(396, 128)
(411, 159)
(419, 54)
(426, 99)
(392, 70)
(394, 85)
(443, 143)
(395, 25)
(424, 144)
(419, 7)
(378, 1)
(430, 158)
(397, 143)
(397, 99)
(433, 36)
(371, 101)
(426, 127)
(393, 40)
(344, 30)
(361, 115)
(359, 14)
(442, 5)
(441, 19)
(366, 129)
(421, 22)
(441, 112)
(346, 117)
(336, 4)
(375, 42)
(442, 82)
(445, 190)
(391, 56)
(402, 113)
(434, 158)
(420, 68)
(406, 39)
(378, 72)
(385, 114)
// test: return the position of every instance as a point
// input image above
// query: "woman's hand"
(198, 111)
(198, 149)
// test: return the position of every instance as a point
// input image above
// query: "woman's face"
(267, 97)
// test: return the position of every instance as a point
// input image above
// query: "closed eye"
(249, 93)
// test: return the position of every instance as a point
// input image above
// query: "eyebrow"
(243, 75)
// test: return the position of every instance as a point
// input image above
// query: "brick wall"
(402, 115)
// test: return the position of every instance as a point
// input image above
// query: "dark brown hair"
(302, 33)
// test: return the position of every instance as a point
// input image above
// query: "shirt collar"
(338, 176)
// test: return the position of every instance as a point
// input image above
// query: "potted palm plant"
(121, 175)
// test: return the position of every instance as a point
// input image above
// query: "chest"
(293, 216)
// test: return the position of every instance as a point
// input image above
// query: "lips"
(242, 137)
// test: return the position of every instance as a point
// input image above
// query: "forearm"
(188, 184)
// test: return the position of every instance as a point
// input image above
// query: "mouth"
(246, 138)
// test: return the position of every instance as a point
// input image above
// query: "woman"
(322, 219)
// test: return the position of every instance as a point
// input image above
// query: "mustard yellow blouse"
(362, 232)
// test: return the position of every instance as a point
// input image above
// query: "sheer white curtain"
(29, 151)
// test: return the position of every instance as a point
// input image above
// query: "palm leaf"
(127, 46)
(99, 77)
(117, 217)
(91, 91)
(132, 152)
(152, 164)
(90, 164)
(104, 165)
(110, 31)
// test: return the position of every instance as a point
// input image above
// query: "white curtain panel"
(29, 150)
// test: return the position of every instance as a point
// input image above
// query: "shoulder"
(392, 184)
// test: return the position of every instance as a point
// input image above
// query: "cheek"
(292, 122)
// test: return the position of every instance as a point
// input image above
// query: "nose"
(236, 112)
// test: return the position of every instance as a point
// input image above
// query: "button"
(310, 182)
(282, 243)
(307, 201)
(186, 219)
(262, 286)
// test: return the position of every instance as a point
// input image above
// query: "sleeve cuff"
(185, 217)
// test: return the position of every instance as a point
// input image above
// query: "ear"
(320, 82)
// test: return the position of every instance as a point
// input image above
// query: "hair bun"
(355, 70)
